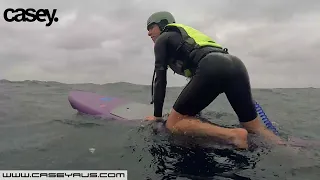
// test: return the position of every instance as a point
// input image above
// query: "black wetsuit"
(217, 72)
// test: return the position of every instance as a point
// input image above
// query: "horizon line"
(119, 82)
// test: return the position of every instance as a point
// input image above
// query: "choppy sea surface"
(40, 131)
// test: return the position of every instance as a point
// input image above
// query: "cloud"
(106, 41)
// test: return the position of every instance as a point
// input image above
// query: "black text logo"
(30, 15)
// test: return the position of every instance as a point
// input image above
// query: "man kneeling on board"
(212, 70)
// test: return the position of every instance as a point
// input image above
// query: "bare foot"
(240, 138)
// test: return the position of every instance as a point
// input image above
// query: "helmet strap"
(162, 24)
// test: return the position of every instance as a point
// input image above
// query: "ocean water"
(40, 131)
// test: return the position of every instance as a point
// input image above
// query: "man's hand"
(153, 118)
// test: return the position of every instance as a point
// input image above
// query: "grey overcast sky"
(101, 41)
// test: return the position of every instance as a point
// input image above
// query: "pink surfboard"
(108, 107)
(121, 109)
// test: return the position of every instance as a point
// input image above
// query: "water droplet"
(92, 150)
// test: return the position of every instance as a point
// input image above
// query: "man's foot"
(240, 138)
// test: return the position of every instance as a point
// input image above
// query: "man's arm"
(161, 66)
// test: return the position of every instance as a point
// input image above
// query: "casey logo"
(30, 15)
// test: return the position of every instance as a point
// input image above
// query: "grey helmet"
(161, 18)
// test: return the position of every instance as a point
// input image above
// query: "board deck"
(109, 107)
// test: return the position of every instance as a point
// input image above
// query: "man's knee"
(173, 118)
